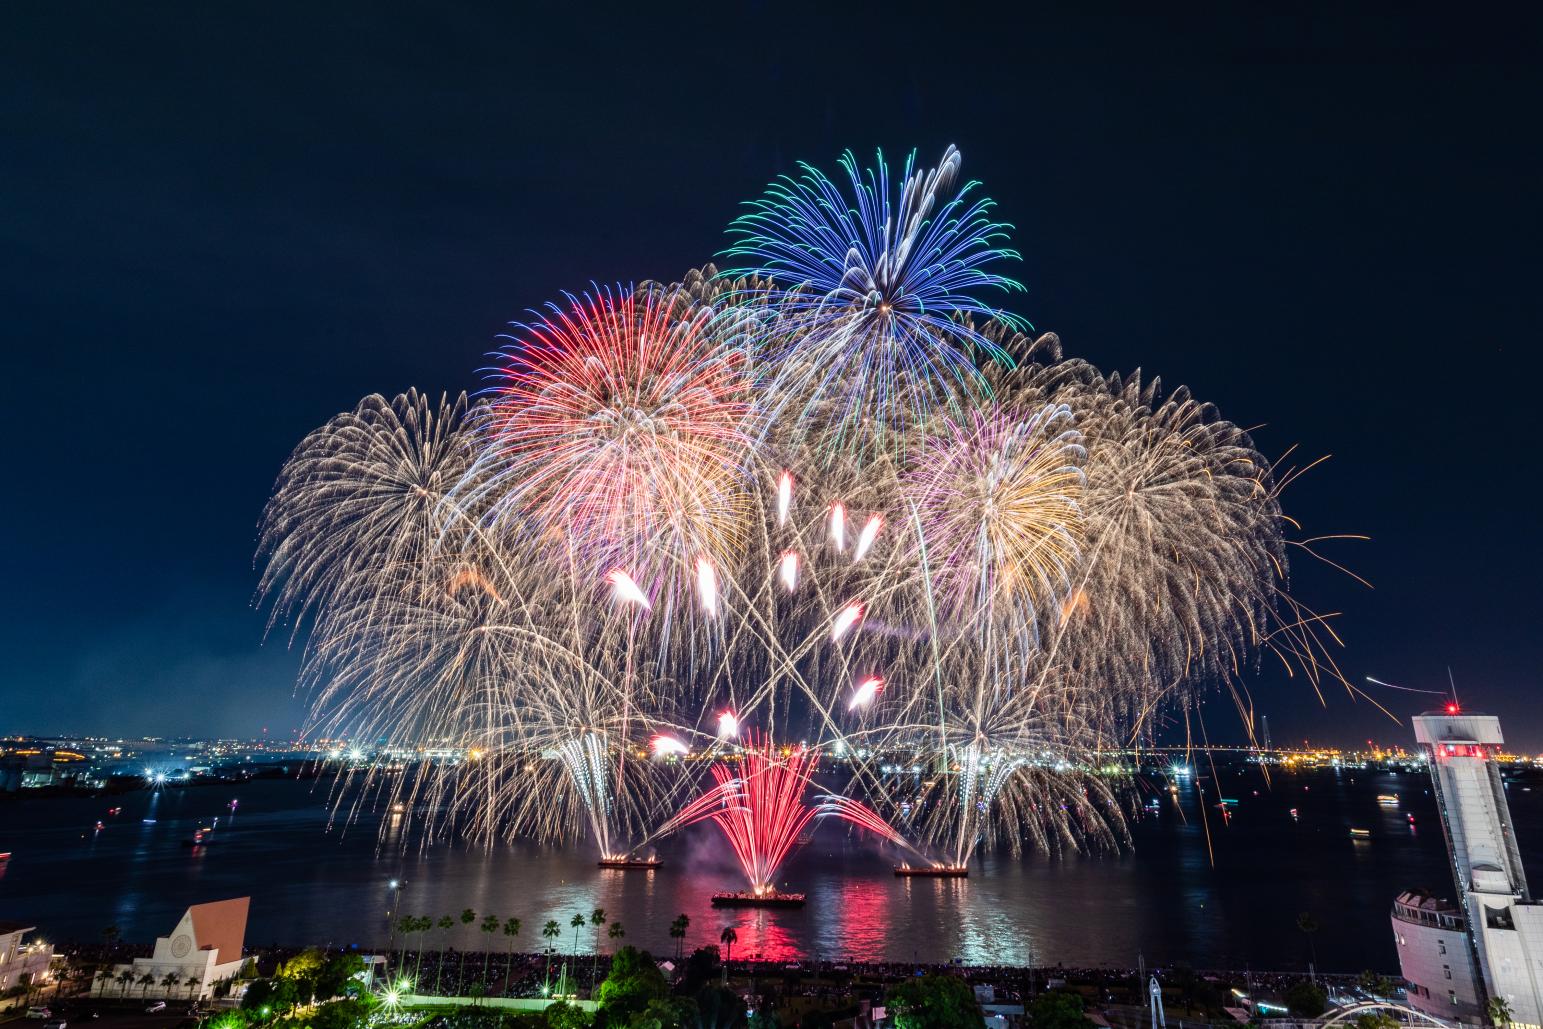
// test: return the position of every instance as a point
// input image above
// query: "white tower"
(1505, 926)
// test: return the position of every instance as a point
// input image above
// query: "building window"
(1452, 997)
(1442, 944)
(1446, 970)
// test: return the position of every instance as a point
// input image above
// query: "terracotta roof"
(220, 926)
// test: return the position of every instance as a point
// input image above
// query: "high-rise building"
(1504, 925)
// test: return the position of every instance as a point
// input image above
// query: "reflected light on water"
(313, 878)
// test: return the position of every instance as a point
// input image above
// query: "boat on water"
(933, 871)
(631, 863)
(751, 899)
(1360, 834)
(202, 837)
(1388, 799)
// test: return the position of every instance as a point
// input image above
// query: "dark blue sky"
(221, 224)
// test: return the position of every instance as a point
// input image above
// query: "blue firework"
(878, 290)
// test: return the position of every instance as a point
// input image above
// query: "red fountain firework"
(760, 808)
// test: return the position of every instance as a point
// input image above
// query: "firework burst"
(367, 490)
(873, 291)
(809, 496)
(619, 420)
(998, 499)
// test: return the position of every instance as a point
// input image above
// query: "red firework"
(760, 808)
(620, 421)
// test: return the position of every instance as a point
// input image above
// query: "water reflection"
(1177, 897)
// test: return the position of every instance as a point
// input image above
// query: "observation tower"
(1504, 924)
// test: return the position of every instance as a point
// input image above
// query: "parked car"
(39, 1011)
(156, 1008)
(56, 1023)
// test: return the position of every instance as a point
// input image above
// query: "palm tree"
(104, 976)
(511, 930)
(193, 982)
(1308, 925)
(728, 938)
(578, 922)
(405, 925)
(468, 916)
(678, 933)
(169, 980)
(1499, 1012)
(445, 923)
(145, 982)
(419, 926)
(596, 919)
(616, 932)
(551, 931)
(489, 927)
(125, 978)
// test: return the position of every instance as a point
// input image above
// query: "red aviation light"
(1464, 750)
(1452, 708)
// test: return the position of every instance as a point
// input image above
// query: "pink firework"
(620, 421)
(760, 808)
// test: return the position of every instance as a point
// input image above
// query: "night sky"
(222, 224)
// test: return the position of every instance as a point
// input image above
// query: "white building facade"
(22, 964)
(1436, 958)
(204, 950)
(1504, 924)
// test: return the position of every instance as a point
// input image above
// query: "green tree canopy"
(339, 1014)
(718, 1008)
(633, 982)
(935, 1002)
(304, 965)
(666, 1013)
(1306, 999)
(1058, 1009)
(278, 995)
(1376, 1020)
(563, 1015)
(336, 976)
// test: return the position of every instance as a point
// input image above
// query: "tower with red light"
(1504, 924)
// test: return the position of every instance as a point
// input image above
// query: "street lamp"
(395, 886)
